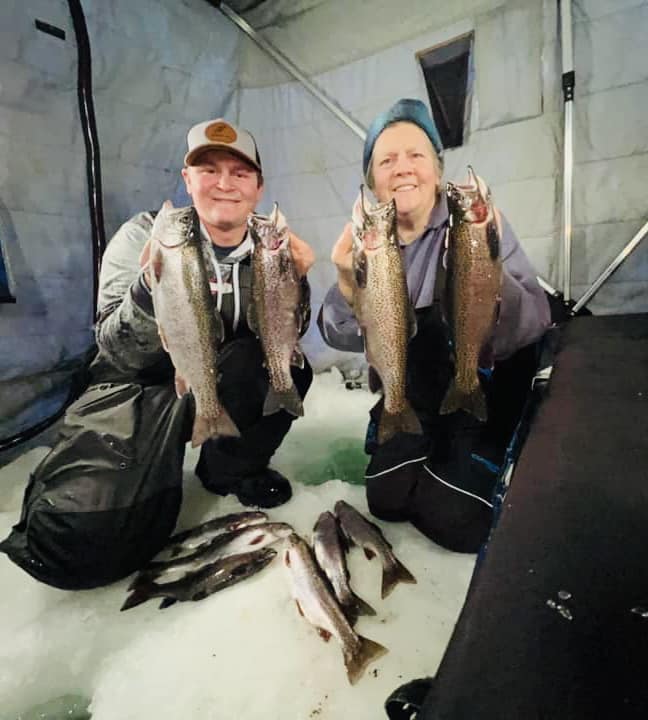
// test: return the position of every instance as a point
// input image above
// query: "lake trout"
(382, 307)
(473, 286)
(206, 581)
(317, 604)
(330, 556)
(363, 533)
(189, 326)
(278, 309)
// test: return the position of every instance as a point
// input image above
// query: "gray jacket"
(524, 311)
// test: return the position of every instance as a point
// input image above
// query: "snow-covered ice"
(244, 652)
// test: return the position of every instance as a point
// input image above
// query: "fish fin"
(360, 655)
(394, 574)
(375, 383)
(324, 634)
(297, 358)
(143, 591)
(362, 607)
(290, 401)
(167, 602)
(299, 608)
(405, 421)
(369, 553)
(355, 607)
(204, 428)
(181, 385)
(473, 402)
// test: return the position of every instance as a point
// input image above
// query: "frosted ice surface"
(244, 652)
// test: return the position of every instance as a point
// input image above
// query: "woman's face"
(405, 167)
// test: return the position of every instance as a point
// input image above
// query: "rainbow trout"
(278, 310)
(316, 603)
(329, 553)
(361, 532)
(383, 310)
(189, 326)
(474, 279)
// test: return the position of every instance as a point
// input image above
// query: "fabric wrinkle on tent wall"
(287, 65)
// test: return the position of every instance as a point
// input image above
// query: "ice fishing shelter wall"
(157, 67)
(363, 55)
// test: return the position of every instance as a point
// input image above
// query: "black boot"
(265, 488)
(405, 702)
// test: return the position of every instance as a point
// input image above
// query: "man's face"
(405, 167)
(224, 189)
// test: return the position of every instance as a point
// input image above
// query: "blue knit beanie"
(404, 110)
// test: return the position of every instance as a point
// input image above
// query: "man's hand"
(342, 257)
(302, 254)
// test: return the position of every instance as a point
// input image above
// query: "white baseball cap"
(219, 134)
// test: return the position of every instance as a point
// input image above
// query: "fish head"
(249, 563)
(174, 227)
(374, 226)
(270, 232)
(470, 202)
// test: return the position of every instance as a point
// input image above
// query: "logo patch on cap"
(220, 132)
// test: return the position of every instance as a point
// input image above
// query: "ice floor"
(244, 652)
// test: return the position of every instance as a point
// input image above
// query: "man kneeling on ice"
(107, 496)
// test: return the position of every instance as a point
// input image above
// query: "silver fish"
(317, 604)
(359, 531)
(233, 543)
(385, 315)
(329, 553)
(278, 310)
(189, 327)
(188, 541)
(206, 581)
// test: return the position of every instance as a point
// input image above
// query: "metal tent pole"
(287, 65)
(568, 80)
(611, 268)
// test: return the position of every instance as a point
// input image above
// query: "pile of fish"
(219, 553)
(320, 581)
(225, 550)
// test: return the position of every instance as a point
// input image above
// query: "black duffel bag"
(107, 496)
